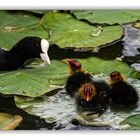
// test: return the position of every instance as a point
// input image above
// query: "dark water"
(128, 50)
(30, 122)
(131, 51)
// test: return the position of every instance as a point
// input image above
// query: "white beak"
(45, 47)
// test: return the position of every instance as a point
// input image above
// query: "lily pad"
(108, 16)
(61, 109)
(38, 81)
(15, 25)
(9, 122)
(34, 82)
(96, 65)
(17, 19)
(10, 38)
(66, 31)
(133, 121)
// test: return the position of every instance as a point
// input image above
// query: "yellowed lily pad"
(9, 122)
(136, 25)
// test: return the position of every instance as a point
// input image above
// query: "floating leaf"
(17, 25)
(133, 121)
(17, 19)
(8, 39)
(9, 122)
(67, 31)
(60, 108)
(34, 82)
(96, 65)
(108, 16)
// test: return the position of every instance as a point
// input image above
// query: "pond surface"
(127, 50)
(62, 109)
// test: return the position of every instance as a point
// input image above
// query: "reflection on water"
(131, 53)
(131, 41)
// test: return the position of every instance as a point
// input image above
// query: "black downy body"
(77, 79)
(124, 94)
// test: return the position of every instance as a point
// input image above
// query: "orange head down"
(75, 66)
(116, 76)
(87, 92)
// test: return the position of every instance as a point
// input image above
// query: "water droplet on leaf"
(75, 30)
(18, 73)
(97, 31)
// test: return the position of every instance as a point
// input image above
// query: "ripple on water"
(131, 41)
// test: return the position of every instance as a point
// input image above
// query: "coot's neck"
(17, 56)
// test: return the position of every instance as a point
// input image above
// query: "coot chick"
(77, 77)
(93, 96)
(26, 48)
(121, 92)
(89, 94)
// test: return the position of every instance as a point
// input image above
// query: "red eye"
(37, 44)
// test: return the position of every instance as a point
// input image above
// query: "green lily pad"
(66, 31)
(133, 121)
(96, 65)
(15, 25)
(9, 122)
(38, 81)
(9, 39)
(17, 19)
(61, 109)
(34, 82)
(108, 16)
